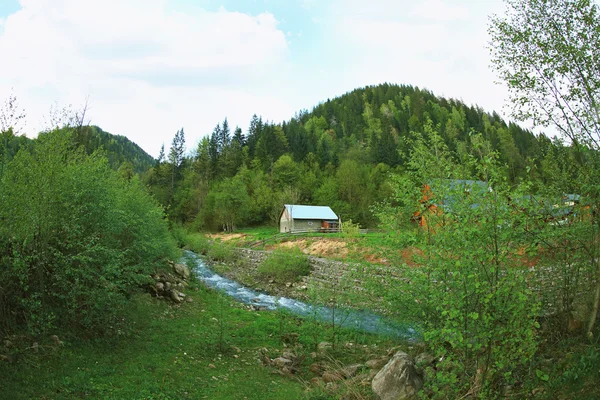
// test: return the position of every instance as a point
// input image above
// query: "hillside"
(342, 154)
(119, 149)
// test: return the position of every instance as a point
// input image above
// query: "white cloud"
(438, 45)
(148, 70)
(440, 10)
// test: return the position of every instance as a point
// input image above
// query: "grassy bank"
(209, 348)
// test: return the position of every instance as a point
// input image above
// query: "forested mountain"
(119, 149)
(121, 152)
(341, 154)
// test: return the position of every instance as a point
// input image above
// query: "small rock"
(288, 355)
(175, 297)
(212, 366)
(188, 299)
(288, 284)
(56, 340)
(160, 287)
(303, 287)
(324, 346)
(281, 362)
(271, 281)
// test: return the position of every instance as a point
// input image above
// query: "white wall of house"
(285, 222)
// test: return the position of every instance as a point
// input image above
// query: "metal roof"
(310, 212)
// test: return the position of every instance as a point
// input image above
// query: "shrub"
(350, 229)
(221, 252)
(289, 266)
(75, 240)
(197, 243)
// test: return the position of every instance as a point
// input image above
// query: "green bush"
(75, 240)
(221, 252)
(350, 229)
(289, 266)
(192, 241)
(198, 243)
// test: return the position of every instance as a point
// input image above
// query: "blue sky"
(150, 67)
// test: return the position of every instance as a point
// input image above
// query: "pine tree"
(176, 156)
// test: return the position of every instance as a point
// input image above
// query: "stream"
(364, 321)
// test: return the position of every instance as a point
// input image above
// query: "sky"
(150, 67)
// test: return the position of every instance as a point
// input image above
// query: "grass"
(166, 355)
(285, 265)
(168, 352)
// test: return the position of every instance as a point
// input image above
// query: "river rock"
(175, 296)
(182, 270)
(398, 379)
(160, 287)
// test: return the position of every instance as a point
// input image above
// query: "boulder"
(398, 379)
(182, 270)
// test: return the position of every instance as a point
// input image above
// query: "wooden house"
(299, 218)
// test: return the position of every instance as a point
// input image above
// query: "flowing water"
(360, 320)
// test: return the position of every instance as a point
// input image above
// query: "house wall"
(285, 222)
(307, 224)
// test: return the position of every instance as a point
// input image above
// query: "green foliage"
(472, 296)
(551, 73)
(341, 154)
(76, 239)
(285, 265)
(221, 252)
(350, 229)
(118, 149)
